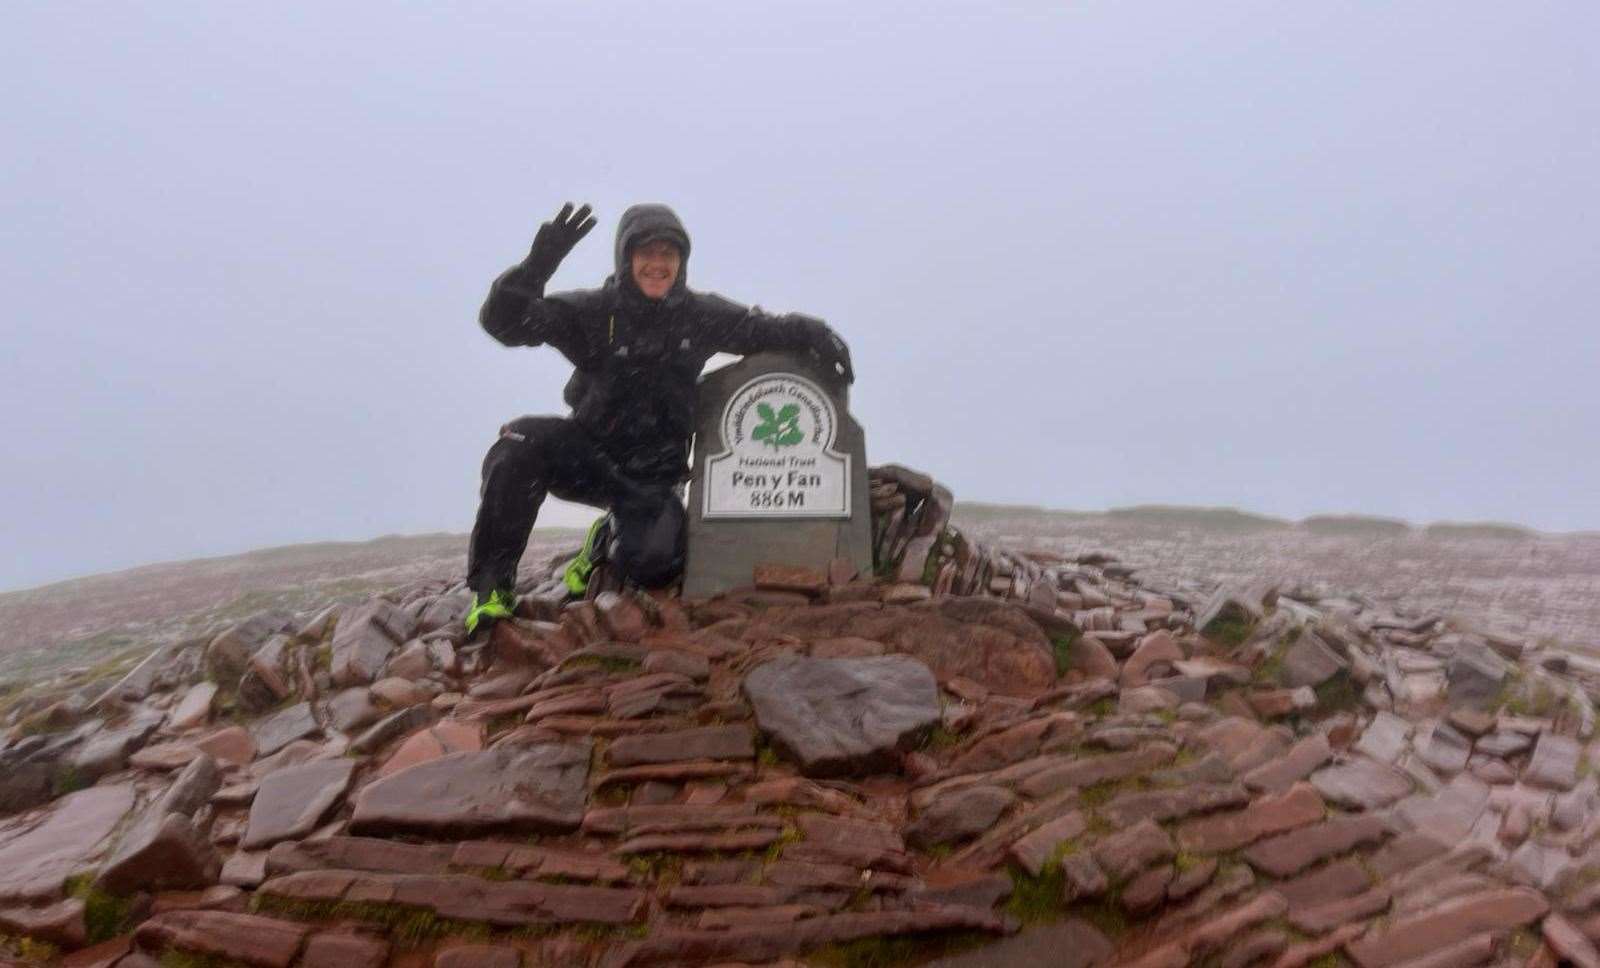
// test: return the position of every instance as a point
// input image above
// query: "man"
(637, 345)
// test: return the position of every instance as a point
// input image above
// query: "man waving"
(637, 345)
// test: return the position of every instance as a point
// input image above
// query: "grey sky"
(1293, 257)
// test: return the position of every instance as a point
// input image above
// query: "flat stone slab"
(705, 743)
(1293, 852)
(1087, 771)
(1555, 763)
(1163, 805)
(365, 638)
(539, 788)
(959, 815)
(1069, 944)
(1361, 784)
(162, 853)
(1127, 852)
(843, 716)
(292, 801)
(1310, 662)
(37, 856)
(1445, 749)
(1268, 815)
(280, 729)
(469, 897)
(247, 938)
(194, 709)
(1034, 850)
(1448, 815)
(1384, 738)
(441, 739)
(1414, 937)
(1503, 744)
(1282, 773)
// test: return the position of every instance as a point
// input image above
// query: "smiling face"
(655, 267)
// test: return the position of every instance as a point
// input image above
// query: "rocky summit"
(974, 756)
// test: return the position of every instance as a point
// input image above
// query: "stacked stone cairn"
(971, 758)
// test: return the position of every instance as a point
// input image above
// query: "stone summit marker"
(780, 474)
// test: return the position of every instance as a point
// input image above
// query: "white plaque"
(778, 459)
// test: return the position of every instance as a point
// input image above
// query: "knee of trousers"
(524, 449)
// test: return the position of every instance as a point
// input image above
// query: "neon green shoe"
(499, 605)
(578, 570)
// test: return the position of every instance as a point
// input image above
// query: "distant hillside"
(81, 620)
(1235, 521)
(1356, 525)
(1492, 530)
(1216, 519)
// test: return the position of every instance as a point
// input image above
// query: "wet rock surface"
(1019, 758)
(541, 788)
(840, 716)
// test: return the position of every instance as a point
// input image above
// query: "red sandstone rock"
(432, 742)
(1144, 891)
(1088, 771)
(1292, 852)
(1268, 815)
(164, 757)
(60, 923)
(467, 897)
(696, 843)
(291, 802)
(1570, 943)
(1127, 852)
(617, 820)
(726, 895)
(1220, 930)
(1325, 917)
(1455, 921)
(1036, 849)
(1302, 758)
(535, 788)
(705, 743)
(1330, 882)
(1300, 955)
(1361, 784)
(673, 772)
(799, 792)
(344, 949)
(1472, 951)
(37, 858)
(766, 943)
(1155, 648)
(258, 941)
(478, 956)
(1163, 805)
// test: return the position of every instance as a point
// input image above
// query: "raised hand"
(556, 238)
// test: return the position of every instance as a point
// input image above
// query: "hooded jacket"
(636, 360)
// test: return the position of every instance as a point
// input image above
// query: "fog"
(1294, 258)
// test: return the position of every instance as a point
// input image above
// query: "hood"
(645, 223)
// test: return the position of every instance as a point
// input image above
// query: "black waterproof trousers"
(536, 456)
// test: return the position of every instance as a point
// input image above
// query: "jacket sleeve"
(518, 314)
(731, 328)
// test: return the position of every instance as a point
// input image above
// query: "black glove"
(828, 347)
(555, 239)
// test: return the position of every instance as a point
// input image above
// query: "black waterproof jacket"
(637, 360)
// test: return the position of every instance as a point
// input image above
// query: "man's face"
(655, 267)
